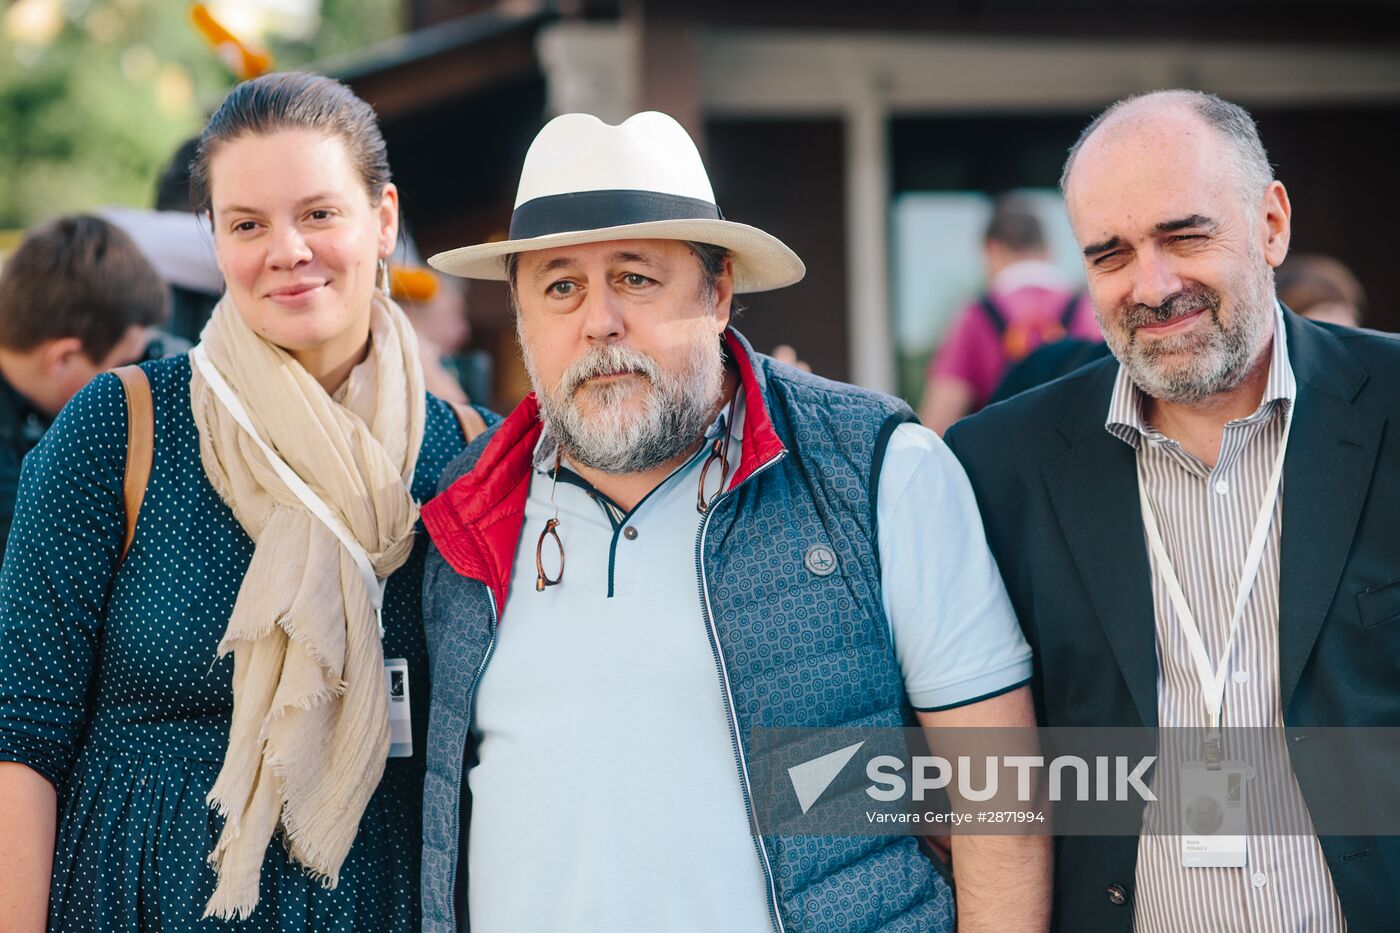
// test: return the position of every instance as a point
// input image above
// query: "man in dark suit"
(1124, 504)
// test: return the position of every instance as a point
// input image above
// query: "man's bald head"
(1180, 224)
(1162, 111)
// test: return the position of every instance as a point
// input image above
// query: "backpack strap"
(989, 308)
(469, 419)
(140, 446)
(1071, 306)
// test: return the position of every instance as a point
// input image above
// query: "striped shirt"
(1206, 515)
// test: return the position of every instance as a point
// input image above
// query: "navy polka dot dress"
(110, 689)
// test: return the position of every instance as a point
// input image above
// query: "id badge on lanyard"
(1212, 790)
(400, 704)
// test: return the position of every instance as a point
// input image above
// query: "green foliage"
(91, 117)
(346, 26)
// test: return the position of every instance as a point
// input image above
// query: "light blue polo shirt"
(606, 796)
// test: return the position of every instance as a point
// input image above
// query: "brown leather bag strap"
(140, 446)
(470, 419)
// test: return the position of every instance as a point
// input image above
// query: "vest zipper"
(728, 697)
(471, 698)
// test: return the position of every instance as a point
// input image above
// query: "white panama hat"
(585, 181)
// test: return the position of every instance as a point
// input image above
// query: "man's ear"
(724, 294)
(1276, 214)
(60, 354)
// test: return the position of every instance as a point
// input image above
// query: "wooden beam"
(414, 86)
(669, 64)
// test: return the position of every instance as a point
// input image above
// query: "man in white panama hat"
(747, 546)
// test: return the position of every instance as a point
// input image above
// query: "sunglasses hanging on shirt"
(719, 453)
(542, 579)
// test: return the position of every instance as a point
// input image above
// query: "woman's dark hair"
(293, 100)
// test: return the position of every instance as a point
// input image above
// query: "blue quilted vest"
(793, 649)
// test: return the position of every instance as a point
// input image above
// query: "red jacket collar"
(476, 522)
(761, 442)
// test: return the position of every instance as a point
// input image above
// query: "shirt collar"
(1125, 420)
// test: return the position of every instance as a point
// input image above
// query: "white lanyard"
(1212, 677)
(374, 584)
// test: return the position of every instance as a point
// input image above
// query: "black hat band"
(595, 210)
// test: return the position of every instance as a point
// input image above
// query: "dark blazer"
(1058, 495)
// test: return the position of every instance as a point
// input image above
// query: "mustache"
(1189, 300)
(606, 360)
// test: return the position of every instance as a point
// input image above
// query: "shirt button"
(1241, 677)
(629, 533)
(1222, 487)
(1260, 879)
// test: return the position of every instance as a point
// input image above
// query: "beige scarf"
(310, 728)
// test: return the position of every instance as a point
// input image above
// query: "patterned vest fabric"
(801, 648)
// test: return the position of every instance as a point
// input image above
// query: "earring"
(381, 276)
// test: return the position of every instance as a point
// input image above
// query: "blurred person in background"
(787, 353)
(441, 320)
(1028, 303)
(76, 298)
(1323, 289)
(278, 525)
(178, 243)
(451, 371)
(1048, 363)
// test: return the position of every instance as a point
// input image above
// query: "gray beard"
(1218, 360)
(616, 438)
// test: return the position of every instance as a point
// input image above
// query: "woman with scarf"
(148, 780)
